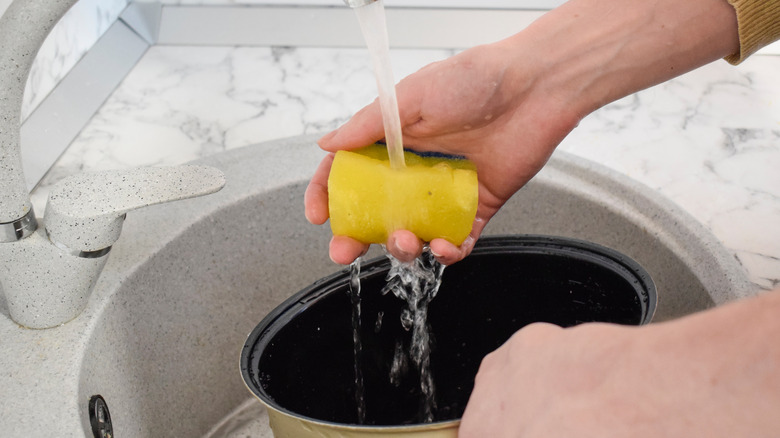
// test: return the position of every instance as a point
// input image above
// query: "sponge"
(433, 196)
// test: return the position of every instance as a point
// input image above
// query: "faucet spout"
(17, 52)
(48, 273)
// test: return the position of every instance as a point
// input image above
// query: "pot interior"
(300, 358)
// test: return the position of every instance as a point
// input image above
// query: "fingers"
(404, 245)
(447, 253)
(344, 250)
(315, 199)
(495, 407)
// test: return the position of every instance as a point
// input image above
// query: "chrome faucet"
(47, 273)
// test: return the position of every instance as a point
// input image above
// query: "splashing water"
(417, 283)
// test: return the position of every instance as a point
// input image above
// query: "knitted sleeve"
(758, 23)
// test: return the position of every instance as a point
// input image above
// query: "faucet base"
(44, 286)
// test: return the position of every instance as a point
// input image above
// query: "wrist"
(588, 53)
(724, 359)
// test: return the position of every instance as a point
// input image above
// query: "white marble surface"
(68, 41)
(709, 140)
(481, 4)
(4, 5)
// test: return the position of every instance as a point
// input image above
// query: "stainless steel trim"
(59, 119)
(144, 19)
(19, 229)
(78, 253)
(336, 27)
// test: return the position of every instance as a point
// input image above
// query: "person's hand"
(714, 374)
(468, 105)
(507, 105)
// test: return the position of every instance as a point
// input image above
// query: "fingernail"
(395, 248)
(469, 242)
(327, 138)
(330, 250)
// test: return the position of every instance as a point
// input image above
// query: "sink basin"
(161, 337)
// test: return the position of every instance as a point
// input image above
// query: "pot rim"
(525, 243)
(435, 425)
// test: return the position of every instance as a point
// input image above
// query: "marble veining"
(709, 140)
(70, 39)
(181, 103)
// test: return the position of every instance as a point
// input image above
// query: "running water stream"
(354, 294)
(416, 283)
(374, 26)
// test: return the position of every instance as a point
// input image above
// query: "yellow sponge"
(433, 197)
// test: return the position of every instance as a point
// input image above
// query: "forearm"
(712, 374)
(739, 338)
(592, 52)
(724, 360)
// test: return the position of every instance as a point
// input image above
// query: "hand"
(714, 374)
(507, 105)
(467, 105)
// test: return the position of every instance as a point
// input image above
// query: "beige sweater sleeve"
(758, 22)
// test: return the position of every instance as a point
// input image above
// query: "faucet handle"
(84, 212)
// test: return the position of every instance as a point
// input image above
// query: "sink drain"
(100, 418)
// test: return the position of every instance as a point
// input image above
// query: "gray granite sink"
(162, 334)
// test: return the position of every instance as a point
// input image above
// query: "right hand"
(506, 106)
(472, 105)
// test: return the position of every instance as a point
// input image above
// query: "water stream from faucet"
(417, 282)
(374, 26)
(354, 294)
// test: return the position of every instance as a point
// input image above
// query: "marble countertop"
(709, 140)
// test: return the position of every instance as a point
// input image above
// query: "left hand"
(712, 374)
